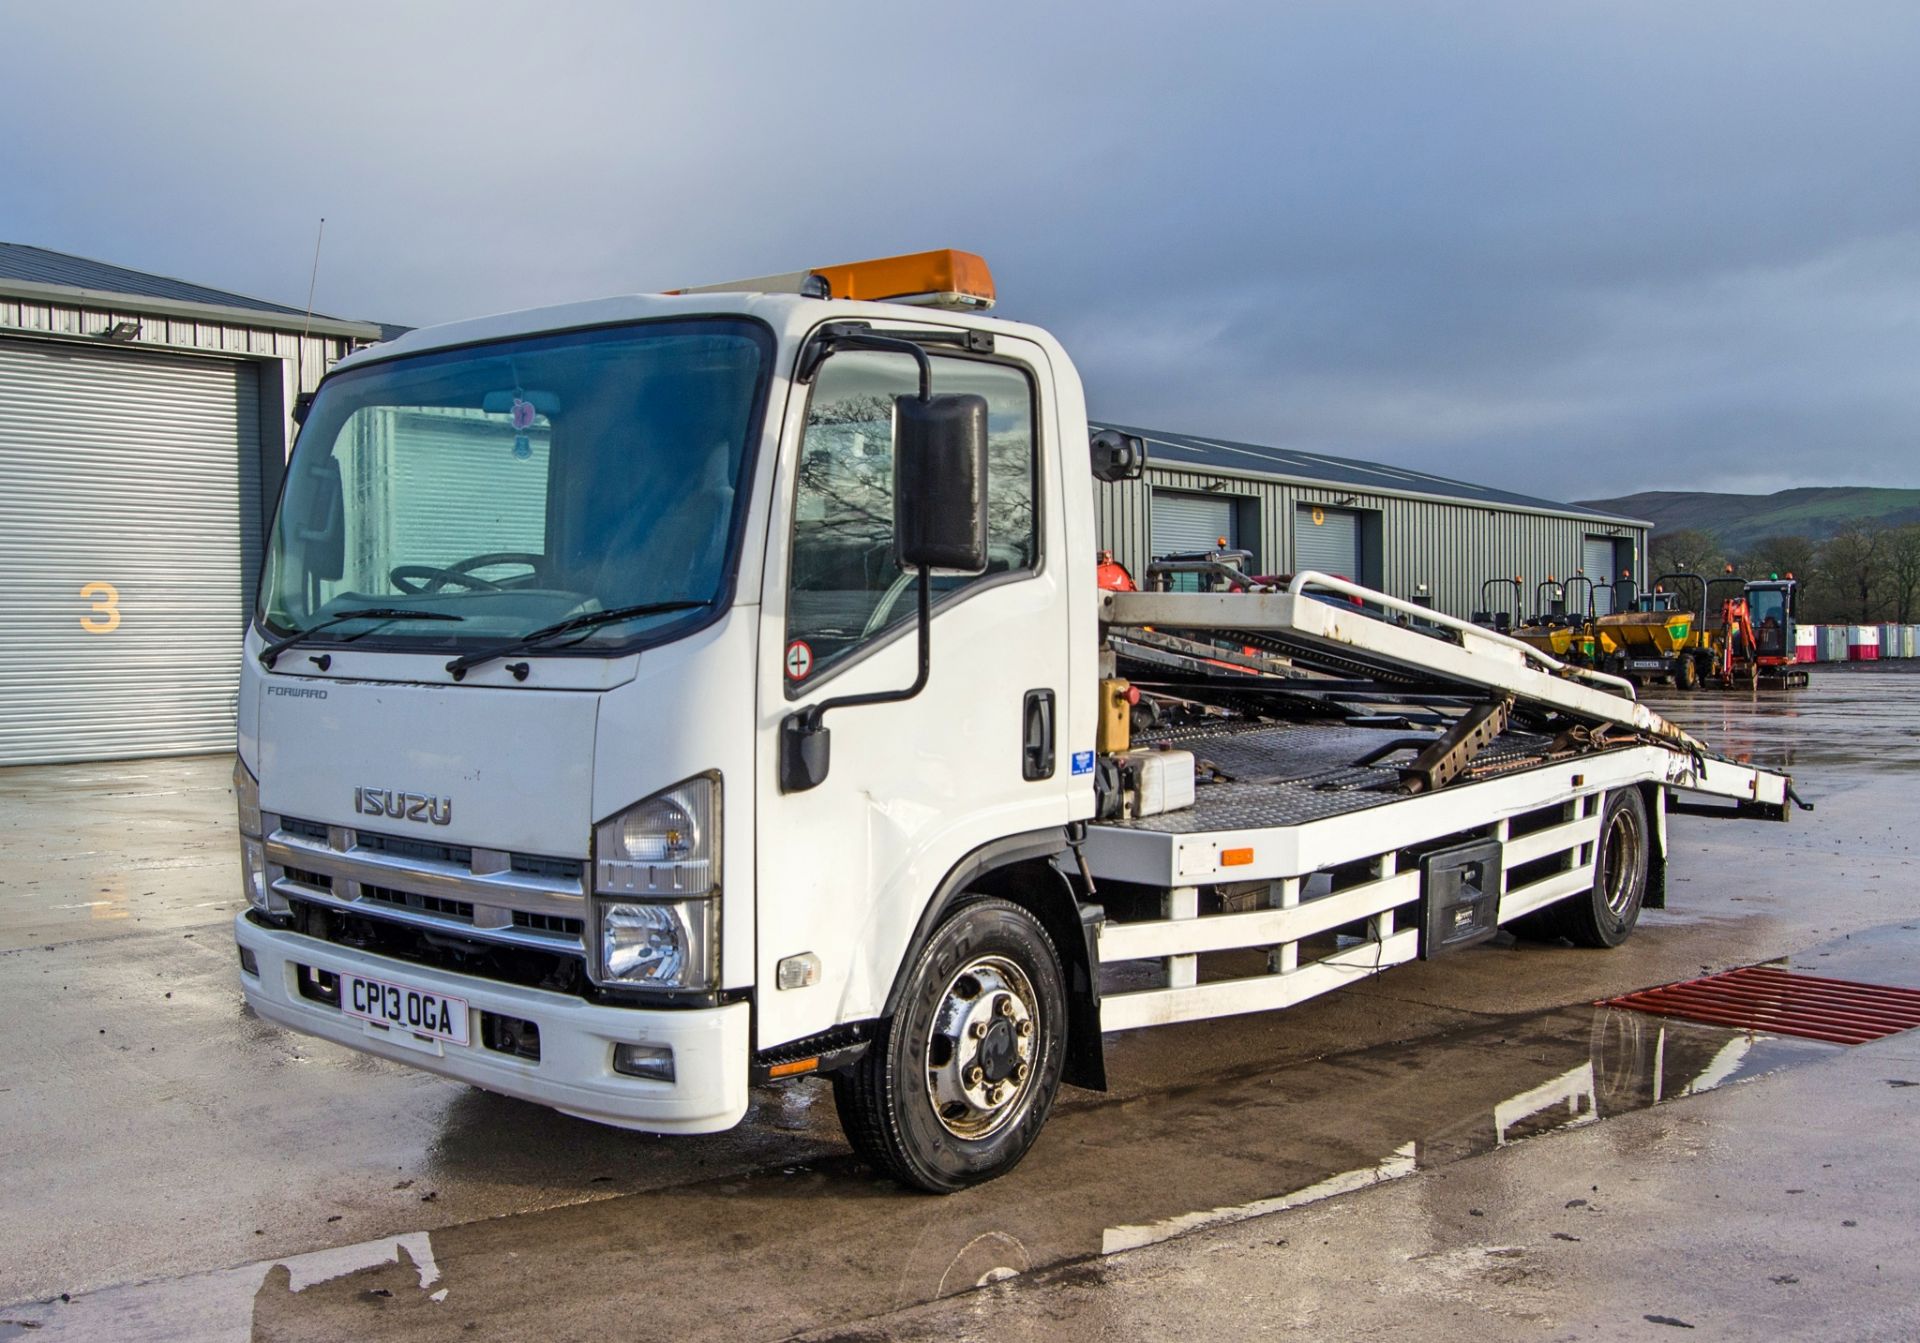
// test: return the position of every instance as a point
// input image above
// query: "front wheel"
(1686, 672)
(954, 1089)
(1605, 916)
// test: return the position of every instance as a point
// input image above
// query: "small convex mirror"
(940, 483)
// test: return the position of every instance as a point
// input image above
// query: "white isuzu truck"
(656, 696)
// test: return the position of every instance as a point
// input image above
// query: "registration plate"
(402, 1008)
(1649, 664)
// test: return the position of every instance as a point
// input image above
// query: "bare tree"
(1853, 564)
(1781, 555)
(1684, 550)
(1903, 571)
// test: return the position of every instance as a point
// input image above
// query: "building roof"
(1184, 451)
(41, 273)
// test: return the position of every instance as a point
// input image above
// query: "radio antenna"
(314, 277)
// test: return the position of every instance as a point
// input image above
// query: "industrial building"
(144, 424)
(1408, 533)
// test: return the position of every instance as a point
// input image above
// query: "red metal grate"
(1763, 998)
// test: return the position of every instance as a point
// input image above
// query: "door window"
(845, 592)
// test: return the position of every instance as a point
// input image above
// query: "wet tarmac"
(179, 1169)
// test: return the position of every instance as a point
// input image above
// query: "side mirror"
(1118, 456)
(322, 532)
(940, 483)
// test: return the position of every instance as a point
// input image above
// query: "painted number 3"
(106, 608)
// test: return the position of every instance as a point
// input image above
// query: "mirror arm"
(805, 740)
(852, 336)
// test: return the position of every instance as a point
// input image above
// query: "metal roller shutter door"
(1596, 562)
(1326, 539)
(137, 477)
(1184, 524)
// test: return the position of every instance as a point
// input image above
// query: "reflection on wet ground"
(1869, 715)
(804, 1246)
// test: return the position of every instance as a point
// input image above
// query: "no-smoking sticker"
(799, 660)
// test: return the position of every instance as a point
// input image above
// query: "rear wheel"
(955, 1087)
(1686, 674)
(1605, 916)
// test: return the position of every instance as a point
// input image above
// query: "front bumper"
(574, 1073)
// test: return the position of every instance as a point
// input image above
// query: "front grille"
(548, 923)
(566, 869)
(509, 916)
(456, 949)
(419, 850)
(431, 904)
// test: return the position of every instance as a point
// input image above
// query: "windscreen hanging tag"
(522, 421)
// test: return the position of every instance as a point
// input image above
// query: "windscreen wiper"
(379, 614)
(580, 624)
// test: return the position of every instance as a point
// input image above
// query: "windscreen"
(519, 483)
(1768, 609)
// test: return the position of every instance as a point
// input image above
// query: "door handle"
(1036, 735)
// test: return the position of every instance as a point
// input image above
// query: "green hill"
(1739, 520)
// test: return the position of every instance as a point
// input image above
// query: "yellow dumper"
(1663, 638)
(1561, 625)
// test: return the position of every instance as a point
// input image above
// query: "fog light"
(249, 963)
(653, 1062)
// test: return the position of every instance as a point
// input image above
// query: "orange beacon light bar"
(942, 279)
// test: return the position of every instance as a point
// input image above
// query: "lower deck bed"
(1259, 776)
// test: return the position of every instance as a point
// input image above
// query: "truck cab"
(610, 549)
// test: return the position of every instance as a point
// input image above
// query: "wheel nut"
(1005, 1006)
(998, 1094)
(978, 1030)
(1024, 1029)
(1020, 1073)
(976, 1075)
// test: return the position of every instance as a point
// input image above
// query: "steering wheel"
(414, 579)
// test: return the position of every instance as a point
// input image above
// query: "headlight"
(253, 872)
(253, 854)
(668, 844)
(659, 946)
(656, 882)
(246, 793)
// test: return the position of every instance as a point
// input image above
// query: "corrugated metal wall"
(140, 475)
(309, 356)
(1452, 547)
(129, 536)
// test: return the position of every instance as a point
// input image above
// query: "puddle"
(807, 1246)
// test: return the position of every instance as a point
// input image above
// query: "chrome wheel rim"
(982, 1047)
(1622, 853)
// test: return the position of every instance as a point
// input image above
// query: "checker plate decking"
(1782, 1002)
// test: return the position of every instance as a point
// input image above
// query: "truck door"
(845, 870)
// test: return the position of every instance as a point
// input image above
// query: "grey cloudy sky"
(1572, 249)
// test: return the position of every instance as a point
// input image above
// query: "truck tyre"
(956, 1084)
(1605, 915)
(1686, 675)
